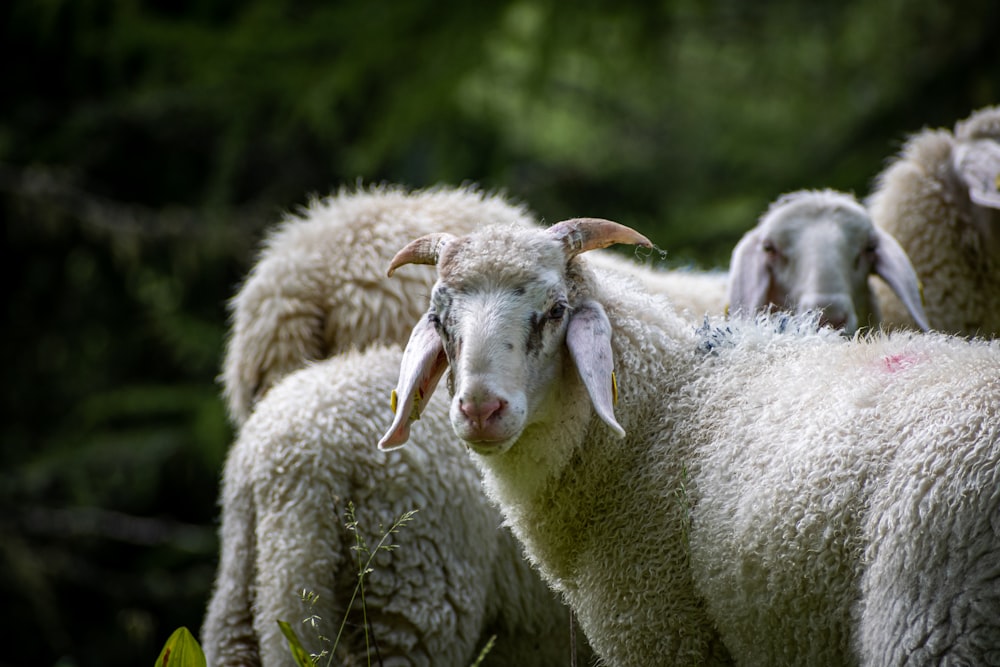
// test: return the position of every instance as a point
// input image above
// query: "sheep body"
(455, 578)
(939, 199)
(666, 542)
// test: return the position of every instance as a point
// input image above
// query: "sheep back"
(851, 495)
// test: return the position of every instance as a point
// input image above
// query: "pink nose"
(481, 412)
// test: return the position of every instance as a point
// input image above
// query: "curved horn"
(583, 234)
(424, 250)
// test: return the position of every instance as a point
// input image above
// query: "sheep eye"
(557, 311)
(868, 254)
(434, 319)
(769, 247)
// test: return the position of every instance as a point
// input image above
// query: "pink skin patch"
(898, 362)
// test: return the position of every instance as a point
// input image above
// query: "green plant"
(486, 649)
(365, 556)
(181, 650)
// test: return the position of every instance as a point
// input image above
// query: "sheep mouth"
(489, 446)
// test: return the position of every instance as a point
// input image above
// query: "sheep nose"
(481, 412)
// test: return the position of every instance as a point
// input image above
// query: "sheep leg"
(227, 636)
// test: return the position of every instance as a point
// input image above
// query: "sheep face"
(504, 311)
(815, 251)
(502, 341)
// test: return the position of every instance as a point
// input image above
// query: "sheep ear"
(420, 369)
(978, 165)
(588, 337)
(749, 279)
(894, 267)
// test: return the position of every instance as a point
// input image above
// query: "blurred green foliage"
(144, 146)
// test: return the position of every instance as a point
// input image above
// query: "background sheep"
(873, 539)
(939, 199)
(456, 578)
(815, 250)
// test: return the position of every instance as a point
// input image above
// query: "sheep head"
(814, 250)
(503, 312)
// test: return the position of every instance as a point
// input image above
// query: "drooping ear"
(420, 369)
(588, 337)
(894, 267)
(977, 164)
(749, 279)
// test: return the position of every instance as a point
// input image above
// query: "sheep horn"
(583, 234)
(424, 250)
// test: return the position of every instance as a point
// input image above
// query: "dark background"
(145, 146)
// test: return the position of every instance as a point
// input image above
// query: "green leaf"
(181, 650)
(299, 653)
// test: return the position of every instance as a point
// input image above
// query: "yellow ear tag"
(614, 389)
(415, 412)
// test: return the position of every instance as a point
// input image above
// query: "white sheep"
(939, 198)
(815, 250)
(318, 287)
(456, 577)
(757, 493)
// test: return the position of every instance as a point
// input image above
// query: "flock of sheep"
(789, 463)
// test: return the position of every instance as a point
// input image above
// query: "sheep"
(760, 491)
(939, 198)
(815, 250)
(455, 579)
(317, 288)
